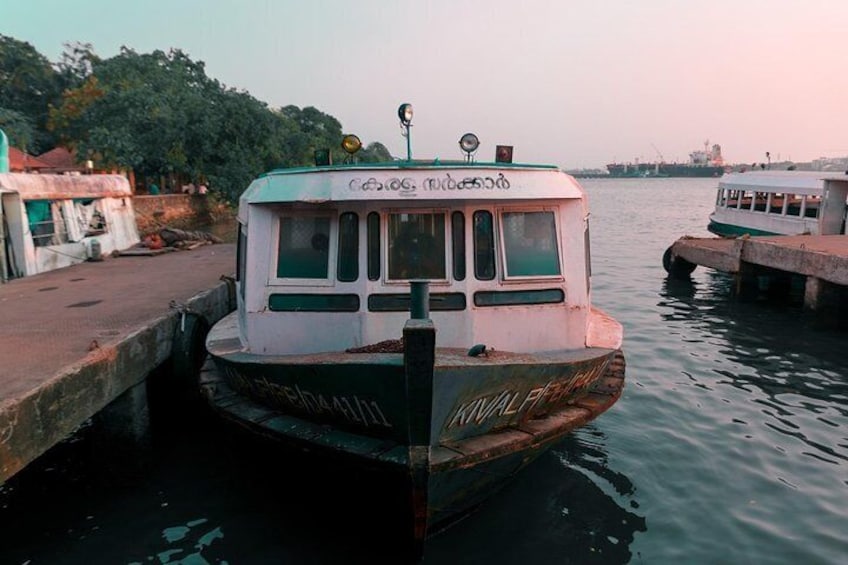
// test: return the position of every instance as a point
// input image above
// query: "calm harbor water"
(730, 445)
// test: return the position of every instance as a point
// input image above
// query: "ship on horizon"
(706, 162)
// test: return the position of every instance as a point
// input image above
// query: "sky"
(574, 83)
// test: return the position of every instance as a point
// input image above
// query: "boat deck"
(223, 342)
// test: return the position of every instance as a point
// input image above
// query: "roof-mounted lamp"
(405, 115)
(469, 143)
(350, 145)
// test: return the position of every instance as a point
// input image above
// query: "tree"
(375, 152)
(314, 130)
(159, 114)
(18, 127)
(28, 84)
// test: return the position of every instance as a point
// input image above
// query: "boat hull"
(454, 432)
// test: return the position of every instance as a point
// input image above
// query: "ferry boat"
(52, 221)
(779, 203)
(430, 320)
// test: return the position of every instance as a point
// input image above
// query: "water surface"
(730, 445)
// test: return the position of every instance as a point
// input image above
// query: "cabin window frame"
(459, 267)
(501, 244)
(373, 245)
(241, 258)
(794, 210)
(484, 257)
(721, 197)
(332, 251)
(759, 201)
(50, 227)
(348, 259)
(386, 216)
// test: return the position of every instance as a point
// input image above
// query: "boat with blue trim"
(769, 202)
(429, 320)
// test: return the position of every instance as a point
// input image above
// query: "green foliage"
(19, 128)
(28, 84)
(160, 115)
(376, 152)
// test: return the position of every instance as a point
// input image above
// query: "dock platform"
(74, 339)
(822, 259)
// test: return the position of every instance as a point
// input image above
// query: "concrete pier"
(822, 259)
(74, 339)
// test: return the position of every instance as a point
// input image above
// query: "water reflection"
(192, 489)
(567, 507)
(772, 353)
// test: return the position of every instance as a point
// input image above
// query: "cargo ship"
(707, 162)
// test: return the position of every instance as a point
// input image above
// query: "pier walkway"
(74, 339)
(822, 259)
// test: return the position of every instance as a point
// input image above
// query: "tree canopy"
(28, 84)
(159, 115)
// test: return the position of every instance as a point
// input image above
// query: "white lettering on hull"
(364, 412)
(509, 402)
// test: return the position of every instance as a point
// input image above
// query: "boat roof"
(57, 187)
(412, 180)
(800, 182)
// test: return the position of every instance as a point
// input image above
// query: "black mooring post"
(419, 349)
(419, 298)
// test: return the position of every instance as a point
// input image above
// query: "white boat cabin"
(326, 256)
(780, 203)
(52, 221)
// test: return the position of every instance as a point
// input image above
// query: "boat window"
(89, 216)
(813, 205)
(46, 223)
(793, 208)
(721, 197)
(241, 257)
(348, 261)
(760, 201)
(732, 198)
(304, 249)
(439, 302)
(518, 297)
(417, 246)
(373, 246)
(313, 303)
(530, 244)
(484, 246)
(458, 245)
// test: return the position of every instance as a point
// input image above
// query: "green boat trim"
(730, 230)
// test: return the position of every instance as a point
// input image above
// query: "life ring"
(677, 267)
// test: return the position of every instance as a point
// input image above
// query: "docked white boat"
(53, 221)
(779, 203)
(429, 320)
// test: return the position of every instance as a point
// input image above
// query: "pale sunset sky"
(575, 83)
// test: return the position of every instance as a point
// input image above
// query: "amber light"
(351, 144)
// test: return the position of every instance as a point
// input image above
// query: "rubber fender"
(677, 267)
(188, 350)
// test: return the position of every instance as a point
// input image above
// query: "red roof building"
(20, 162)
(60, 160)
